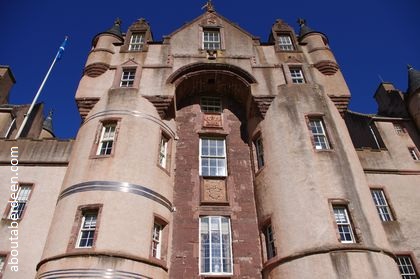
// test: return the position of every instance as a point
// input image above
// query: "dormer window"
(127, 77)
(285, 42)
(211, 39)
(136, 42)
(297, 75)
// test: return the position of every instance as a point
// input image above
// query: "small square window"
(127, 77)
(87, 229)
(381, 204)
(285, 42)
(107, 139)
(414, 153)
(399, 129)
(319, 135)
(297, 75)
(136, 42)
(211, 39)
(16, 212)
(344, 227)
(211, 104)
(406, 267)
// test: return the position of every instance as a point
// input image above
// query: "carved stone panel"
(214, 191)
(212, 120)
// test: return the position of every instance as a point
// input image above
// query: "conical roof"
(413, 79)
(47, 124)
(114, 30)
(304, 29)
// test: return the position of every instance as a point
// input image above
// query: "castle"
(211, 154)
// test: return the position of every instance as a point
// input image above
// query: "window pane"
(343, 224)
(211, 39)
(213, 157)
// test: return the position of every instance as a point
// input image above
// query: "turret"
(413, 92)
(47, 127)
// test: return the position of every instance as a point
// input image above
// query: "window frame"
(215, 106)
(383, 209)
(215, 30)
(164, 155)
(128, 82)
(82, 230)
(5, 256)
(259, 152)
(105, 141)
(217, 157)
(317, 145)
(132, 46)
(9, 212)
(157, 253)
(412, 264)
(96, 147)
(348, 224)
(270, 245)
(284, 46)
(414, 153)
(399, 128)
(296, 75)
(221, 244)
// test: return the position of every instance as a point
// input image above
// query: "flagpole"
(25, 120)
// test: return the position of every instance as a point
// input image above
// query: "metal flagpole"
(57, 56)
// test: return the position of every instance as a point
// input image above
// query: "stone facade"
(213, 155)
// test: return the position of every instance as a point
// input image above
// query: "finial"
(409, 67)
(209, 5)
(301, 21)
(117, 21)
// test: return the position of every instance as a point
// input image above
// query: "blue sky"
(370, 39)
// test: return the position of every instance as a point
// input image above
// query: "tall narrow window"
(136, 42)
(2, 264)
(157, 240)
(16, 212)
(318, 132)
(215, 245)
(342, 219)
(87, 229)
(107, 139)
(260, 152)
(285, 42)
(127, 77)
(211, 104)
(414, 153)
(269, 241)
(212, 157)
(381, 204)
(297, 75)
(163, 151)
(407, 269)
(211, 39)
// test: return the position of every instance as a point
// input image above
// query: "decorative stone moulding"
(163, 105)
(341, 103)
(85, 105)
(212, 120)
(95, 69)
(263, 103)
(328, 68)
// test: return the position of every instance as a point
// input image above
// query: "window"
(107, 139)
(318, 132)
(215, 245)
(163, 151)
(157, 240)
(260, 152)
(2, 264)
(297, 75)
(127, 78)
(136, 42)
(414, 153)
(212, 157)
(381, 204)
(285, 42)
(211, 39)
(406, 267)
(399, 129)
(87, 229)
(343, 223)
(211, 104)
(269, 242)
(16, 212)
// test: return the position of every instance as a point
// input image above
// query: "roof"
(413, 80)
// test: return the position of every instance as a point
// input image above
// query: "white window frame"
(136, 41)
(342, 219)
(211, 104)
(219, 245)
(406, 267)
(88, 229)
(217, 158)
(285, 42)
(398, 128)
(270, 241)
(319, 134)
(382, 205)
(211, 39)
(259, 150)
(128, 76)
(22, 199)
(297, 76)
(108, 132)
(3, 262)
(163, 151)
(414, 153)
(157, 240)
